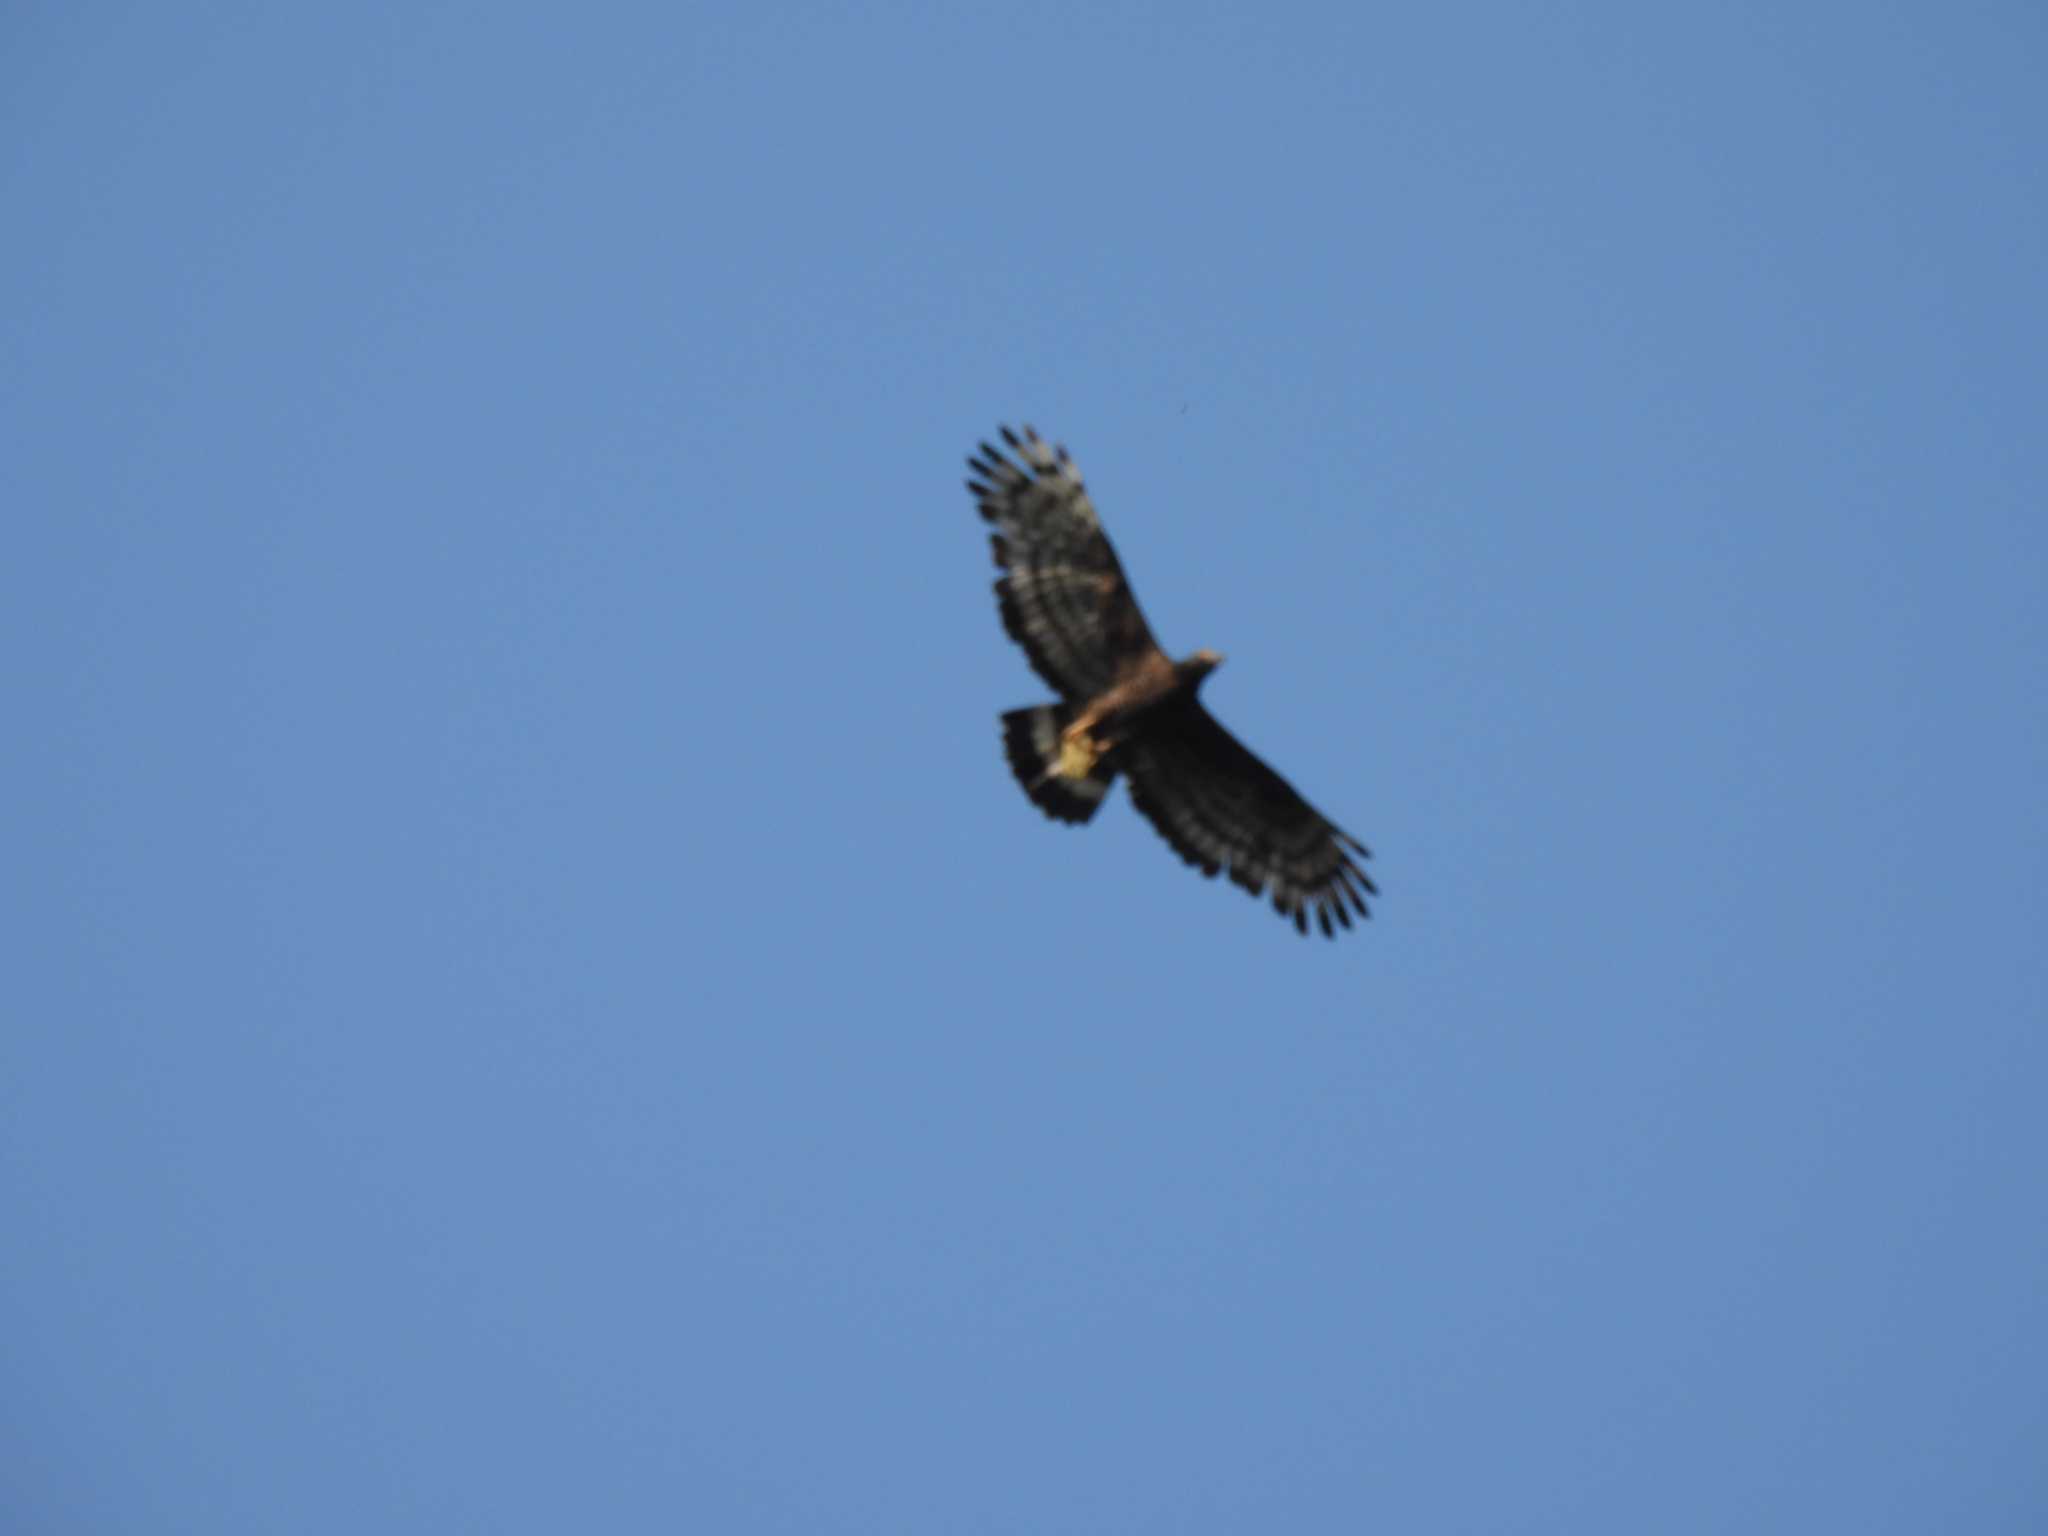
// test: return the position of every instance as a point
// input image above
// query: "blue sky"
(533, 1003)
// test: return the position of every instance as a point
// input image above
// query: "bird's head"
(1199, 666)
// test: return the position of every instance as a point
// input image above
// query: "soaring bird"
(1126, 707)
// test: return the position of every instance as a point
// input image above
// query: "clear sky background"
(533, 1004)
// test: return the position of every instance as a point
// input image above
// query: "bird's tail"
(1031, 740)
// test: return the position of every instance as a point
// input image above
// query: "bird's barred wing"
(1063, 595)
(1222, 809)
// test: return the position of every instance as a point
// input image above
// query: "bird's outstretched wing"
(1063, 595)
(1222, 809)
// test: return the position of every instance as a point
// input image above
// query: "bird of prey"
(1126, 707)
